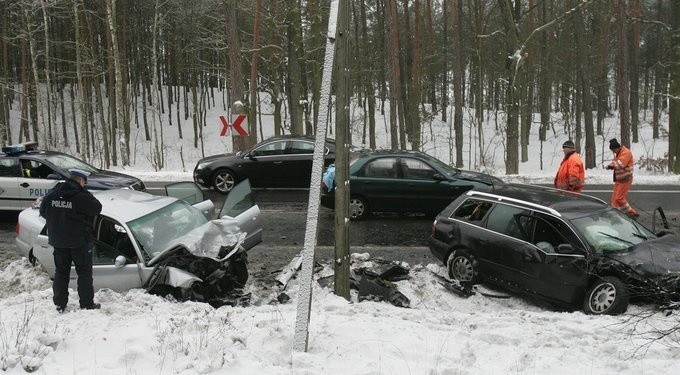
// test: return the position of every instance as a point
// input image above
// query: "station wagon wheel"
(607, 295)
(462, 267)
(357, 208)
(224, 180)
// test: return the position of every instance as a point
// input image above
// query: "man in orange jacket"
(623, 177)
(571, 175)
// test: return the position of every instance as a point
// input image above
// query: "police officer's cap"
(79, 173)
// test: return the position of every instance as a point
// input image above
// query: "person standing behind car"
(69, 210)
(571, 175)
(623, 177)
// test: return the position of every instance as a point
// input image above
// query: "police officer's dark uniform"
(69, 210)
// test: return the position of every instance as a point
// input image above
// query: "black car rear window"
(472, 210)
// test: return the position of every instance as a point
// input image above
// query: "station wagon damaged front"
(569, 249)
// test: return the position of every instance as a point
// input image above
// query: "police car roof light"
(20, 147)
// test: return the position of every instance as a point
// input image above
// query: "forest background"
(80, 75)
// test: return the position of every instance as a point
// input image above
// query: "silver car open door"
(241, 206)
(191, 193)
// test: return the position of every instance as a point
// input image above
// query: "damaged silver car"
(167, 245)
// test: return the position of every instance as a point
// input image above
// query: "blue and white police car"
(27, 173)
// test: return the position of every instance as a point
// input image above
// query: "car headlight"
(200, 166)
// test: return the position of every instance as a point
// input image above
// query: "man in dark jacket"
(69, 210)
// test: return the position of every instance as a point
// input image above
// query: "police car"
(164, 244)
(27, 173)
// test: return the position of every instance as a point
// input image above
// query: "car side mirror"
(120, 261)
(438, 177)
(53, 176)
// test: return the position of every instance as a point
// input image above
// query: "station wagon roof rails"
(506, 199)
(580, 195)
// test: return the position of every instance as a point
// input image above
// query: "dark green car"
(405, 181)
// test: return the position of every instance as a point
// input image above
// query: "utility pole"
(301, 334)
(342, 142)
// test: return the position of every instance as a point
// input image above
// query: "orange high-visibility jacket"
(623, 165)
(571, 175)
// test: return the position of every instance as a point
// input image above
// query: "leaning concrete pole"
(301, 335)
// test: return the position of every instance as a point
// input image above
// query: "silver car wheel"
(462, 269)
(357, 208)
(224, 181)
(602, 298)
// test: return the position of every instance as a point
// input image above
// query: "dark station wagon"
(569, 249)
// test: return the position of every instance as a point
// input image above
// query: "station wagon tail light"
(16, 229)
(434, 225)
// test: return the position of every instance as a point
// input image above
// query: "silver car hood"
(207, 240)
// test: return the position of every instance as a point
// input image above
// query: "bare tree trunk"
(479, 81)
(294, 70)
(77, 4)
(445, 69)
(6, 99)
(111, 95)
(658, 72)
(158, 152)
(39, 125)
(235, 73)
(603, 15)
(582, 72)
(416, 85)
(368, 77)
(48, 84)
(512, 104)
(458, 73)
(121, 107)
(252, 122)
(622, 72)
(394, 76)
(635, 13)
(674, 103)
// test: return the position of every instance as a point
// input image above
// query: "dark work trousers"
(82, 258)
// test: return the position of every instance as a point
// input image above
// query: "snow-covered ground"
(137, 333)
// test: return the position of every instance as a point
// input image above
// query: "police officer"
(69, 210)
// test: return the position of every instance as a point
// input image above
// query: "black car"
(404, 181)
(277, 162)
(566, 248)
(27, 173)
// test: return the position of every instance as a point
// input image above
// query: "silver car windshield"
(156, 230)
(611, 230)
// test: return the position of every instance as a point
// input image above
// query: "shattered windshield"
(611, 230)
(156, 230)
